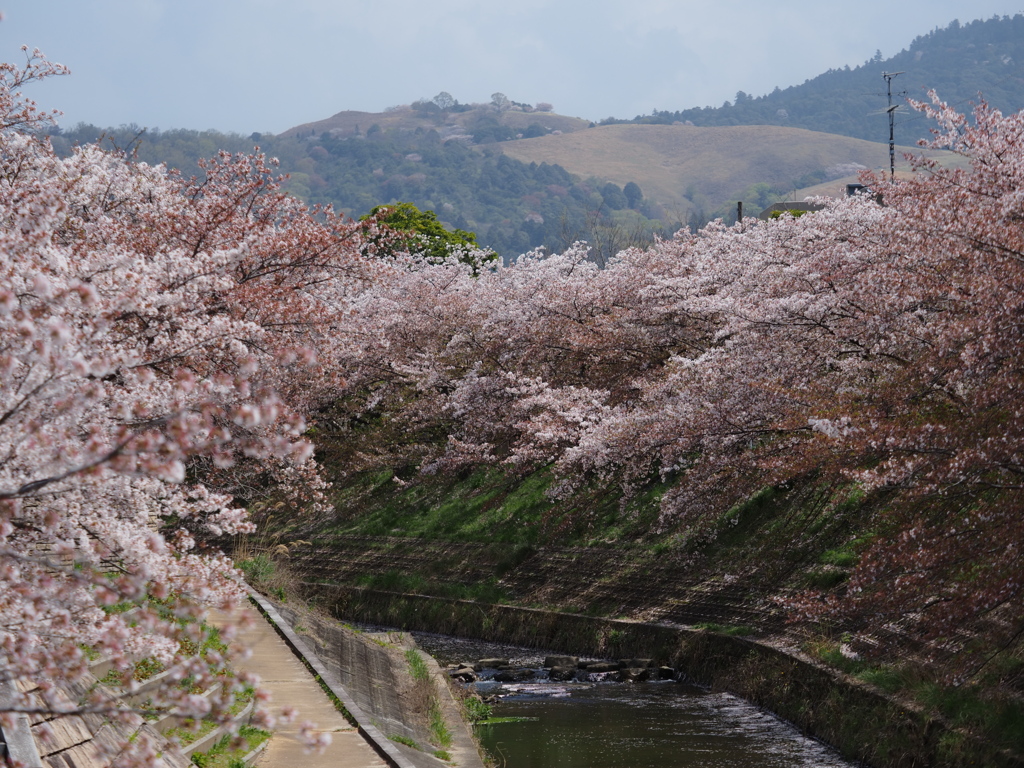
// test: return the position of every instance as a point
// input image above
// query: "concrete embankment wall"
(861, 722)
(374, 675)
(373, 670)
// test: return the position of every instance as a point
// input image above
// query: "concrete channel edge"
(380, 743)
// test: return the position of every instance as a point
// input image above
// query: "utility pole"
(888, 76)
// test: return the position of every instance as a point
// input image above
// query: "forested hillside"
(958, 62)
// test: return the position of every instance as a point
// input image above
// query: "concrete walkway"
(290, 684)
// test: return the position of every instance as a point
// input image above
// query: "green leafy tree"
(634, 195)
(614, 197)
(411, 230)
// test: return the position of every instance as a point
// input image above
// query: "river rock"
(666, 673)
(602, 666)
(490, 664)
(464, 674)
(562, 674)
(634, 675)
(514, 675)
(561, 661)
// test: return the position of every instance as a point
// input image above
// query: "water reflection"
(621, 725)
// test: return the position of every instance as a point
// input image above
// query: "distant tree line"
(959, 62)
(511, 206)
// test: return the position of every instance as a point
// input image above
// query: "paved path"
(290, 684)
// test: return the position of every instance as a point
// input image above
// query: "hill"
(448, 123)
(686, 168)
(512, 206)
(959, 62)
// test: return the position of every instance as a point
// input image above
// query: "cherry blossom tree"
(876, 344)
(945, 425)
(161, 342)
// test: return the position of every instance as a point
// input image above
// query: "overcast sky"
(267, 65)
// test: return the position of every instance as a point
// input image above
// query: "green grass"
(144, 669)
(829, 653)
(825, 578)
(842, 558)
(405, 740)
(726, 629)
(257, 569)
(123, 607)
(440, 735)
(417, 666)
(489, 505)
(222, 756)
(211, 640)
(439, 732)
(884, 677)
(476, 709)
(486, 591)
(976, 707)
(190, 731)
(486, 505)
(1001, 720)
(141, 670)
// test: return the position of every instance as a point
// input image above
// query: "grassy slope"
(448, 535)
(487, 506)
(666, 160)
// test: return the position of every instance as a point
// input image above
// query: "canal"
(602, 724)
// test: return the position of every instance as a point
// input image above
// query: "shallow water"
(621, 725)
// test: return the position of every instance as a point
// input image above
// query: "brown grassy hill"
(405, 117)
(670, 162)
(679, 167)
